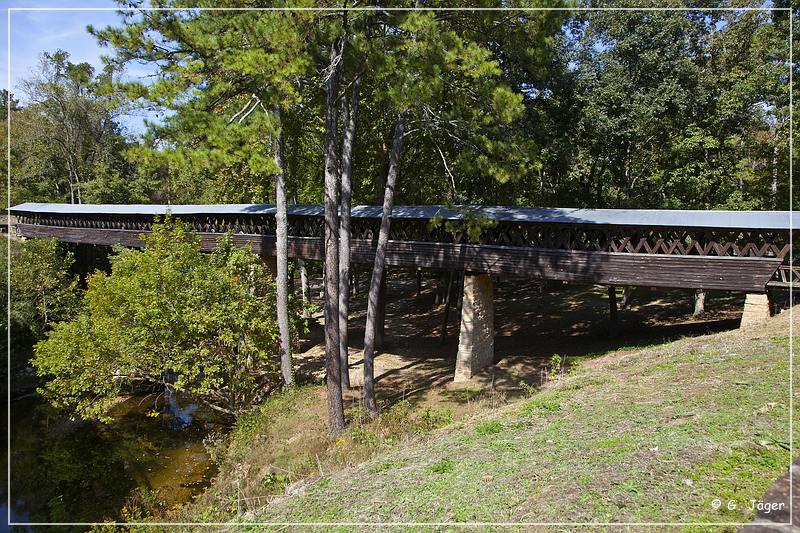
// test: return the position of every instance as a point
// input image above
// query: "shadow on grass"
(533, 322)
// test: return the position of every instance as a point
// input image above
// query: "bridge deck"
(727, 250)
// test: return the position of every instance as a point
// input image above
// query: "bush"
(203, 324)
(43, 292)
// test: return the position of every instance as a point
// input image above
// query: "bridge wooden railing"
(739, 251)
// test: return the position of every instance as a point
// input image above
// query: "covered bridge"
(740, 251)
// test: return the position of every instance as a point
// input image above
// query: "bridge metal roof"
(767, 220)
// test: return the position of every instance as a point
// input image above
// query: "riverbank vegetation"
(169, 316)
(45, 291)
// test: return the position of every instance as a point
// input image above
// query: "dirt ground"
(532, 323)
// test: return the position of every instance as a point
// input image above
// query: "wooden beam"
(744, 274)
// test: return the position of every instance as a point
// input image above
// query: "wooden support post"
(612, 303)
(419, 282)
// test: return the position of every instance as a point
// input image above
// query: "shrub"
(203, 324)
(43, 292)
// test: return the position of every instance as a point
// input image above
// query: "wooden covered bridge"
(742, 251)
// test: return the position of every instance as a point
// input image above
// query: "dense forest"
(588, 109)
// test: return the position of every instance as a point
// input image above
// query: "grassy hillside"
(649, 435)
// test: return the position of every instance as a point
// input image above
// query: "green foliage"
(557, 366)
(67, 144)
(490, 427)
(541, 406)
(363, 436)
(142, 504)
(667, 110)
(43, 291)
(207, 319)
(442, 467)
(456, 77)
(600, 109)
(383, 467)
(57, 509)
(472, 224)
(397, 423)
(274, 483)
(528, 389)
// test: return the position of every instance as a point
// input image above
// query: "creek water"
(85, 471)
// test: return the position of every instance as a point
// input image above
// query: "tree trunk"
(349, 110)
(281, 247)
(380, 318)
(332, 365)
(774, 186)
(378, 267)
(699, 303)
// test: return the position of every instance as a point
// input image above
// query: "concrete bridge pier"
(476, 339)
(757, 308)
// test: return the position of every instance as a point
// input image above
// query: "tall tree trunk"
(332, 365)
(281, 247)
(349, 111)
(380, 316)
(378, 267)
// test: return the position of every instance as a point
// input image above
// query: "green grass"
(649, 435)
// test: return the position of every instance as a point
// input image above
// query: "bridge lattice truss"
(742, 260)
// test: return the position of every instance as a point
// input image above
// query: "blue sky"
(35, 32)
